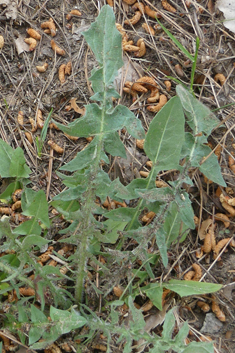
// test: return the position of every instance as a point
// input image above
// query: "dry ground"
(23, 88)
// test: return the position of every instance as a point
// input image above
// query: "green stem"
(81, 255)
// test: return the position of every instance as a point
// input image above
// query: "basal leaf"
(6, 152)
(113, 145)
(66, 320)
(71, 193)
(112, 229)
(211, 169)
(165, 136)
(18, 167)
(85, 158)
(169, 325)
(34, 334)
(32, 240)
(185, 209)
(199, 117)
(195, 152)
(185, 288)
(37, 315)
(162, 246)
(29, 227)
(202, 347)
(154, 293)
(173, 226)
(7, 193)
(37, 206)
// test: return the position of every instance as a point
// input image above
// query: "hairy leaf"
(35, 204)
(199, 117)
(185, 288)
(165, 136)
(18, 167)
(6, 152)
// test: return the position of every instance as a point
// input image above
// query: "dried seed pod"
(220, 78)
(1, 42)
(154, 97)
(33, 124)
(231, 201)
(223, 218)
(56, 48)
(110, 2)
(29, 137)
(27, 292)
(129, 2)
(209, 241)
(16, 196)
(231, 163)
(148, 217)
(32, 43)
(161, 184)
(72, 138)
(168, 85)
(46, 256)
(136, 87)
(198, 272)
(61, 73)
(140, 143)
(199, 252)
(219, 246)
(147, 306)
(130, 48)
(139, 6)
(157, 28)
(42, 68)
(149, 29)
(34, 34)
(156, 108)
(167, 6)
(20, 118)
(55, 147)
(89, 139)
(217, 311)
(39, 119)
(144, 174)
(130, 91)
(151, 13)
(179, 70)
(204, 306)
(68, 68)
(75, 12)
(142, 48)
(228, 208)
(148, 82)
(118, 203)
(51, 26)
(196, 221)
(5, 210)
(207, 181)
(189, 275)
(218, 150)
(121, 29)
(16, 205)
(117, 290)
(134, 19)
